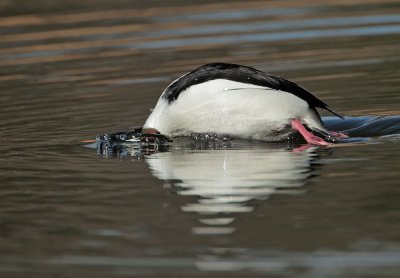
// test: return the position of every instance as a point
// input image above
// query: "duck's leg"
(308, 136)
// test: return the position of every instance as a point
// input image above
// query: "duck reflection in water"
(226, 177)
(227, 180)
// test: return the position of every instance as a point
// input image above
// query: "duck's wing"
(243, 74)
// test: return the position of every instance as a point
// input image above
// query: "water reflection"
(225, 181)
(224, 177)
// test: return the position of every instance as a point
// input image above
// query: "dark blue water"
(367, 127)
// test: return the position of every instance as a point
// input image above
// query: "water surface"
(71, 71)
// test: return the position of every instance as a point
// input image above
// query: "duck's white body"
(233, 108)
(237, 101)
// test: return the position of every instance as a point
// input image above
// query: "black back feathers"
(241, 74)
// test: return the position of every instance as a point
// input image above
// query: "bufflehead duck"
(239, 101)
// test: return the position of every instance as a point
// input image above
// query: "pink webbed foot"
(308, 136)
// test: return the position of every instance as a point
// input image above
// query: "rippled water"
(70, 71)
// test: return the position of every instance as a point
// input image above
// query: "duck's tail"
(333, 112)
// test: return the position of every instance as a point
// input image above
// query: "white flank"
(233, 108)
